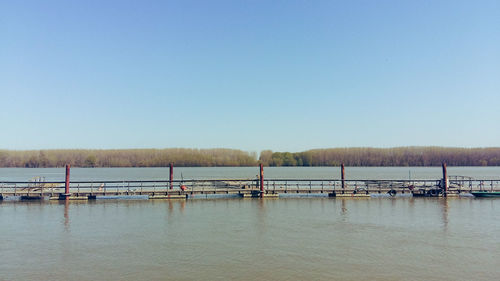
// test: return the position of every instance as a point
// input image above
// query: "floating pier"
(246, 188)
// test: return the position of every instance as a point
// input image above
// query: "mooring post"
(342, 176)
(445, 180)
(66, 184)
(261, 180)
(171, 175)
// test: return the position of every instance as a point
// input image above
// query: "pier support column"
(171, 175)
(66, 184)
(261, 180)
(445, 183)
(342, 176)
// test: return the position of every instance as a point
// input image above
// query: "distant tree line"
(400, 156)
(127, 158)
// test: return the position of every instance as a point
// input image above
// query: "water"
(249, 239)
(83, 174)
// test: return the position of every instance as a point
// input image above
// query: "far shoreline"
(413, 156)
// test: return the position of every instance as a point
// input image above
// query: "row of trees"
(127, 158)
(400, 156)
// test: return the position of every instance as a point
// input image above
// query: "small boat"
(486, 193)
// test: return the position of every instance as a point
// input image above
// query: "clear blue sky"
(253, 75)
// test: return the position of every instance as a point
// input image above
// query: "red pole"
(171, 175)
(261, 180)
(445, 180)
(66, 186)
(342, 176)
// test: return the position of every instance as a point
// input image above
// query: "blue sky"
(252, 75)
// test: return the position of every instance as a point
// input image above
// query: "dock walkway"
(165, 189)
(260, 187)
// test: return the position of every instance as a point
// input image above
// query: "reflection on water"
(170, 208)
(444, 207)
(261, 215)
(248, 239)
(66, 214)
(344, 208)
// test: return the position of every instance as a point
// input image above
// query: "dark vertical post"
(171, 175)
(261, 180)
(66, 185)
(342, 176)
(445, 180)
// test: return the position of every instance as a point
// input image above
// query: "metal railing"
(241, 185)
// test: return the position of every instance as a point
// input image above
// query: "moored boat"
(486, 194)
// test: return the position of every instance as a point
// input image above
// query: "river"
(88, 174)
(251, 239)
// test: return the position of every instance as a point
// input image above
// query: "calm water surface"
(249, 239)
(83, 174)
